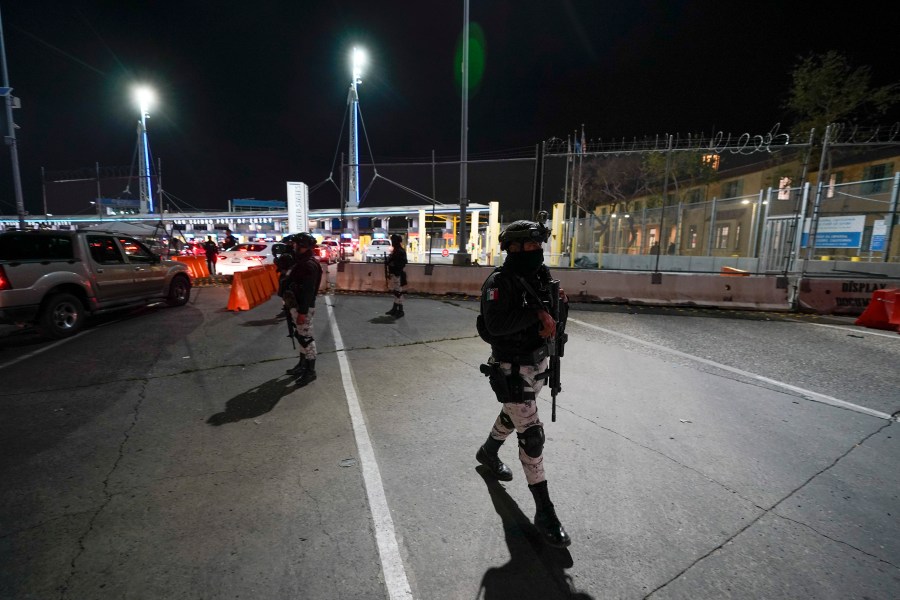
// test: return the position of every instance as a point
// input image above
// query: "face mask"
(525, 263)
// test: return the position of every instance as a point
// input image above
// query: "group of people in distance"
(517, 325)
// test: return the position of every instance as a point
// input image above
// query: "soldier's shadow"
(535, 571)
(254, 402)
(383, 320)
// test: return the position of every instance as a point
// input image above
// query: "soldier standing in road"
(395, 265)
(212, 254)
(229, 240)
(515, 321)
(300, 300)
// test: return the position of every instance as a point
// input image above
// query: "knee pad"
(532, 441)
(397, 293)
(304, 340)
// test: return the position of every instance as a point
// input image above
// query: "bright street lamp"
(145, 97)
(357, 62)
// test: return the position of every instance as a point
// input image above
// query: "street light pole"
(8, 100)
(144, 97)
(358, 60)
(462, 254)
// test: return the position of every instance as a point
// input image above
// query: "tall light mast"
(462, 251)
(145, 98)
(358, 60)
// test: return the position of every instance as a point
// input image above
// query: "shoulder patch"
(491, 294)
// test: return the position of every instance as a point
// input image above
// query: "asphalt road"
(696, 454)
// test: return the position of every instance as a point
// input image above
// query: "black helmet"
(396, 240)
(523, 231)
(304, 240)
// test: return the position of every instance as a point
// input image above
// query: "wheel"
(179, 291)
(63, 315)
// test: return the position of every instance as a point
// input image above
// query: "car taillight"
(4, 281)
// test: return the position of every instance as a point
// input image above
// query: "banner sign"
(298, 207)
(836, 232)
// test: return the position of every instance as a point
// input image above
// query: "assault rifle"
(292, 327)
(557, 344)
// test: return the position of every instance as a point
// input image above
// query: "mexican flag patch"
(491, 294)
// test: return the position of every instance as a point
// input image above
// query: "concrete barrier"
(843, 296)
(674, 289)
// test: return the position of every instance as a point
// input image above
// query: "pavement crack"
(108, 497)
(772, 511)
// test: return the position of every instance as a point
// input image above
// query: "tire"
(179, 291)
(62, 316)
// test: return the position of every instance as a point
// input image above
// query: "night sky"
(254, 94)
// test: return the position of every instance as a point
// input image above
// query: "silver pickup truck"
(57, 279)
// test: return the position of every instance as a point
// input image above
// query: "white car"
(378, 250)
(250, 254)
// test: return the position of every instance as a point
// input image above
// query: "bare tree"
(827, 89)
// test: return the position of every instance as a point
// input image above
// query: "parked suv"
(57, 279)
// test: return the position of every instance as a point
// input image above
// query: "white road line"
(815, 396)
(43, 349)
(391, 564)
(855, 330)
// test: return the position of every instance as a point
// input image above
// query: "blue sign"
(879, 235)
(836, 232)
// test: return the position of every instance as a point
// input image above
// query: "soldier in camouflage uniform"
(395, 268)
(516, 323)
(300, 299)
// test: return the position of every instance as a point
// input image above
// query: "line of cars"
(251, 254)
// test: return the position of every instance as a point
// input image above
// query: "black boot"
(298, 369)
(487, 455)
(393, 310)
(545, 519)
(399, 312)
(308, 375)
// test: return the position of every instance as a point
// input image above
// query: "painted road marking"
(814, 396)
(391, 564)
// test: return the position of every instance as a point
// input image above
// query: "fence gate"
(779, 237)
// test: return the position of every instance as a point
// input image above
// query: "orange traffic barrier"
(273, 274)
(250, 288)
(883, 311)
(733, 271)
(196, 265)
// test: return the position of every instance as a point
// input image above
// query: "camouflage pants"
(304, 331)
(396, 287)
(519, 416)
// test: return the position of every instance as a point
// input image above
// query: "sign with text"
(836, 232)
(298, 206)
(879, 234)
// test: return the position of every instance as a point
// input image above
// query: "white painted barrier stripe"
(389, 551)
(815, 396)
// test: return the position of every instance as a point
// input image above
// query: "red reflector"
(4, 282)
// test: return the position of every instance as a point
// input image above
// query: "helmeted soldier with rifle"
(300, 300)
(523, 313)
(395, 274)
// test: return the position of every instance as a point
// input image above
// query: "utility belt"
(529, 358)
(511, 388)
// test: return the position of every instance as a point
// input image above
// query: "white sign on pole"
(298, 207)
